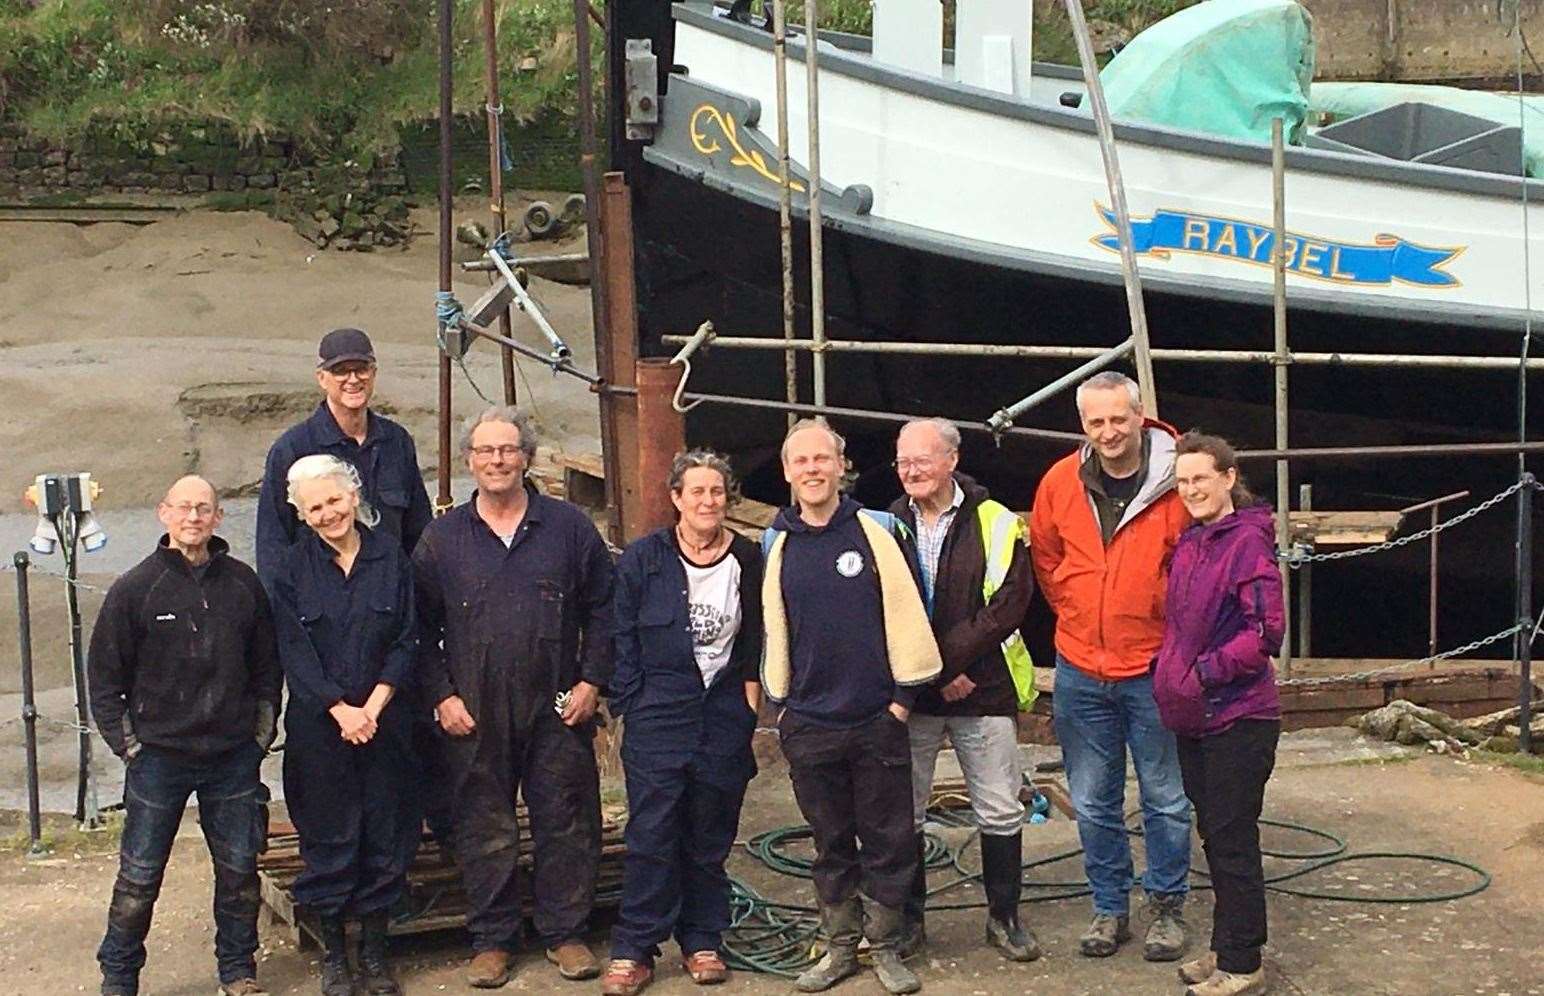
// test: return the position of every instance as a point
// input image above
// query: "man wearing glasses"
(184, 677)
(514, 599)
(344, 426)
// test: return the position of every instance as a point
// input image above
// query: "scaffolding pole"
(495, 109)
(784, 197)
(817, 254)
(1117, 185)
(1279, 362)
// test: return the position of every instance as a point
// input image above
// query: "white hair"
(1110, 380)
(947, 430)
(326, 467)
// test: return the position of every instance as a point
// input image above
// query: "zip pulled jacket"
(182, 662)
(970, 629)
(1108, 598)
(1225, 620)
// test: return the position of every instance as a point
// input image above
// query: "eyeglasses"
(183, 510)
(358, 373)
(920, 464)
(486, 452)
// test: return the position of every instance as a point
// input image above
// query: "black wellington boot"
(1002, 868)
(336, 980)
(375, 971)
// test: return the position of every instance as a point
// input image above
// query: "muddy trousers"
(355, 809)
(156, 789)
(552, 766)
(681, 825)
(1225, 776)
(854, 788)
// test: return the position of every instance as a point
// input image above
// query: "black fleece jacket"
(182, 663)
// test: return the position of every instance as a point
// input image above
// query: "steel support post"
(29, 709)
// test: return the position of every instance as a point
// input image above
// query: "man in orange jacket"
(1104, 526)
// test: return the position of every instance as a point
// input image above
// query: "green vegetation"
(60, 834)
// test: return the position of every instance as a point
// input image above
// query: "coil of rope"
(779, 938)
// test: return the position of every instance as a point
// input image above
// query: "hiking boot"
(1104, 935)
(1199, 969)
(120, 988)
(841, 926)
(1231, 984)
(375, 971)
(1165, 940)
(574, 960)
(625, 977)
(490, 969)
(336, 979)
(1002, 870)
(242, 987)
(914, 931)
(884, 928)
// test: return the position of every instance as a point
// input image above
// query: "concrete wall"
(1422, 39)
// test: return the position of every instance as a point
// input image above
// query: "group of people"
(437, 668)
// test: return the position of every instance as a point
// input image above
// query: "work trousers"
(987, 748)
(156, 788)
(1097, 723)
(1225, 776)
(355, 809)
(681, 824)
(552, 766)
(853, 786)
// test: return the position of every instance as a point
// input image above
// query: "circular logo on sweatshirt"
(850, 564)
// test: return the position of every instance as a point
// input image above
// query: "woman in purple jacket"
(1216, 690)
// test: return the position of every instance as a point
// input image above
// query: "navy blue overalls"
(353, 806)
(686, 751)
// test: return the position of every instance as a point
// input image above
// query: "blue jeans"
(155, 793)
(1096, 722)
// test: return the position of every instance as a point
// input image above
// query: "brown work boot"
(626, 978)
(706, 968)
(490, 969)
(1230, 984)
(1199, 969)
(242, 987)
(1104, 935)
(574, 961)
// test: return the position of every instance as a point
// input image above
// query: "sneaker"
(1104, 935)
(574, 961)
(1230, 984)
(706, 968)
(1165, 940)
(242, 987)
(1199, 969)
(625, 977)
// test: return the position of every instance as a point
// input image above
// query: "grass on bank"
(341, 77)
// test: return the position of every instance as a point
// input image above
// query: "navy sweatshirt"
(836, 628)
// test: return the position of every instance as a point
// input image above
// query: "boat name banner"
(1387, 259)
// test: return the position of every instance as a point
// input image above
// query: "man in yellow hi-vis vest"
(977, 580)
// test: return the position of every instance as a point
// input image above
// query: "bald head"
(191, 513)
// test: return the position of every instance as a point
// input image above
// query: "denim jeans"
(987, 748)
(1096, 723)
(155, 793)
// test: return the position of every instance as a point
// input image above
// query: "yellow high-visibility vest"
(1001, 532)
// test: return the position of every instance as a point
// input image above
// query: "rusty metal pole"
(1117, 187)
(1431, 608)
(619, 366)
(1280, 362)
(1304, 585)
(597, 246)
(29, 709)
(661, 435)
(495, 109)
(784, 199)
(446, 13)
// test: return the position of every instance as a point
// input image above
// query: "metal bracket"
(641, 79)
(700, 338)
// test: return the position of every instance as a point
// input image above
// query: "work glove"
(267, 725)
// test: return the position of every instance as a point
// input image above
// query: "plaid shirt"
(930, 540)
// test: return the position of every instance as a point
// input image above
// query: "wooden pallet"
(436, 900)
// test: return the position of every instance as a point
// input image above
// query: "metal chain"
(1357, 676)
(1294, 559)
(33, 568)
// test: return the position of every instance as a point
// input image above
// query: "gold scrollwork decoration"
(748, 158)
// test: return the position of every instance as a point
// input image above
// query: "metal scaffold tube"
(446, 16)
(784, 196)
(1279, 362)
(496, 139)
(817, 256)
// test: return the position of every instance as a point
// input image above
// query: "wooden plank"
(1343, 528)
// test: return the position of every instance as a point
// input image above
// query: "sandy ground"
(1486, 944)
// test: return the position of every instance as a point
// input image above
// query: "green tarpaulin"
(1222, 67)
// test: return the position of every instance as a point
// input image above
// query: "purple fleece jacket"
(1224, 620)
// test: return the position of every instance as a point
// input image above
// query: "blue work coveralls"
(686, 750)
(354, 807)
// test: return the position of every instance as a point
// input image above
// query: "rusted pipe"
(495, 110)
(616, 269)
(661, 435)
